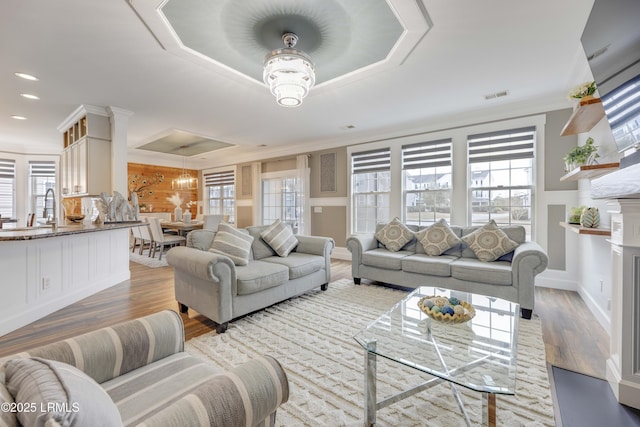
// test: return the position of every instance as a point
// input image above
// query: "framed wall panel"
(328, 176)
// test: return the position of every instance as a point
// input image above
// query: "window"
(7, 188)
(427, 181)
(221, 193)
(371, 189)
(43, 176)
(282, 199)
(501, 177)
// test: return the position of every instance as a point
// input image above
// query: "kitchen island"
(45, 269)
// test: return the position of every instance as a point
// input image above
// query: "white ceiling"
(101, 53)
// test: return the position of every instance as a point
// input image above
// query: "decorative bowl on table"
(75, 218)
(447, 310)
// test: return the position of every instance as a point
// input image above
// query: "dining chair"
(160, 239)
(145, 237)
(211, 222)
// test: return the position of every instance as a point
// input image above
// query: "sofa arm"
(315, 245)
(201, 264)
(112, 351)
(357, 245)
(529, 260)
(247, 395)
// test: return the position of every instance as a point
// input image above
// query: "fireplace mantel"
(621, 184)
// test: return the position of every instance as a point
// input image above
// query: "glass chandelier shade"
(289, 73)
(184, 181)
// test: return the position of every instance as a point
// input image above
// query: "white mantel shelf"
(621, 184)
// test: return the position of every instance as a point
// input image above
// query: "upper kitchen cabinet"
(85, 166)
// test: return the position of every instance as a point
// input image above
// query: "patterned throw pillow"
(233, 243)
(280, 237)
(437, 238)
(489, 242)
(394, 235)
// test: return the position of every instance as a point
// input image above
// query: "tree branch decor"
(141, 184)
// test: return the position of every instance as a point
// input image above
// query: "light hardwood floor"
(573, 338)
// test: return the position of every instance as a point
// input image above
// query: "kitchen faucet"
(53, 220)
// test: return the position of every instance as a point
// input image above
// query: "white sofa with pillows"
(489, 260)
(232, 272)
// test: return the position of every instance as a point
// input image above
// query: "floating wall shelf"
(585, 230)
(586, 115)
(590, 171)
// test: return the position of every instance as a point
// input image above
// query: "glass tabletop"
(479, 354)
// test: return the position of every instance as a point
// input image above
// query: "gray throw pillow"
(489, 242)
(280, 237)
(58, 394)
(231, 242)
(437, 238)
(394, 235)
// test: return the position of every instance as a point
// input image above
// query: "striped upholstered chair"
(148, 378)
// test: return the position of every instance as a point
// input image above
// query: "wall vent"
(496, 95)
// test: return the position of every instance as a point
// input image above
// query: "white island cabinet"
(44, 270)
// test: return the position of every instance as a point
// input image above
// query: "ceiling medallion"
(289, 73)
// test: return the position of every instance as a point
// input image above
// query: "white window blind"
(509, 144)
(219, 178)
(42, 168)
(371, 161)
(427, 154)
(7, 180)
(622, 104)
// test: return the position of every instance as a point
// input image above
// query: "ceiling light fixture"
(184, 181)
(18, 117)
(30, 96)
(289, 73)
(26, 76)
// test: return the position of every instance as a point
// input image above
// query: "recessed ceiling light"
(27, 76)
(29, 96)
(18, 117)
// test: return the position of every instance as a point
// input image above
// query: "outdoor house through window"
(501, 177)
(7, 188)
(221, 193)
(427, 181)
(371, 189)
(282, 198)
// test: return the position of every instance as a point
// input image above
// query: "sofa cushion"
(394, 235)
(489, 242)
(413, 243)
(474, 270)
(383, 258)
(58, 394)
(231, 242)
(426, 264)
(259, 275)
(437, 238)
(259, 247)
(148, 390)
(299, 264)
(280, 237)
(517, 233)
(7, 418)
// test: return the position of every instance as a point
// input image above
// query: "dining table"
(7, 220)
(181, 227)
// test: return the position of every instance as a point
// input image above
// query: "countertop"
(43, 231)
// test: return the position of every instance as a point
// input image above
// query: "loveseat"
(510, 276)
(136, 373)
(222, 285)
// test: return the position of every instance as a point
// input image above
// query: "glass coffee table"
(479, 354)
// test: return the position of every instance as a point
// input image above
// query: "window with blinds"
(501, 180)
(42, 176)
(221, 193)
(371, 189)
(7, 187)
(427, 181)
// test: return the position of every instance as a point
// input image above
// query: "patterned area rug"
(312, 336)
(147, 260)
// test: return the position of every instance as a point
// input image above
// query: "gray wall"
(555, 148)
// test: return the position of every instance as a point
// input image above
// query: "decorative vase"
(590, 218)
(186, 218)
(177, 214)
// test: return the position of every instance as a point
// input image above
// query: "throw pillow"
(394, 235)
(56, 393)
(231, 242)
(489, 242)
(437, 238)
(280, 237)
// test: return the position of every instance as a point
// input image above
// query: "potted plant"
(581, 155)
(584, 90)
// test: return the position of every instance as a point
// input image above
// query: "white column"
(623, 366)
(119, 125)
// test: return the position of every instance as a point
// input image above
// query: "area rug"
(147, 260)
(312, 336)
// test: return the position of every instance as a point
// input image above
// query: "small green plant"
(581, 155)
(585, 89)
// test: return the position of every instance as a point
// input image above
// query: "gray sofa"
(215, 287)
(510, 277)
(148, 378)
